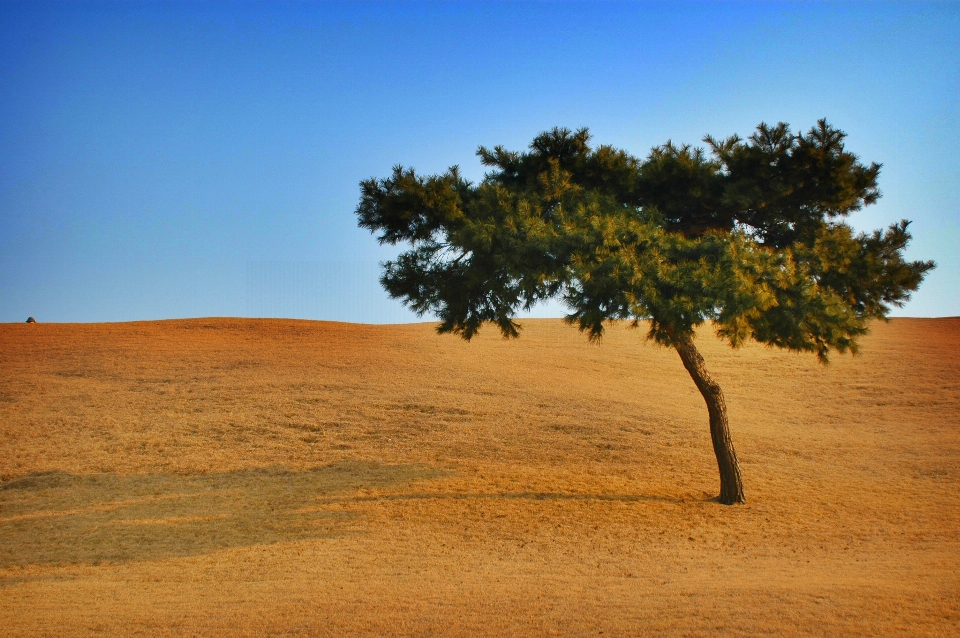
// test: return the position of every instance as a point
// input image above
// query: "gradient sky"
(182, 160)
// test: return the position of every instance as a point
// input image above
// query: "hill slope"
(268, 476)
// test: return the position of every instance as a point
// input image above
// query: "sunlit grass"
(246, 477)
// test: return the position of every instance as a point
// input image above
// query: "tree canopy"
(748, 234)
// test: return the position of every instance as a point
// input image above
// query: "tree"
(749, 237)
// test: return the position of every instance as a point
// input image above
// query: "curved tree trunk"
(731, 485)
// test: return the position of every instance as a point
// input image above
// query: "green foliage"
(750, 236)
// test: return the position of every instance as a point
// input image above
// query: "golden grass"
(249, 477)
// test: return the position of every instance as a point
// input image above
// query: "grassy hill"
(247, 477)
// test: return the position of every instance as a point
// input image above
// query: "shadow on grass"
(526, 496)
(60, 518)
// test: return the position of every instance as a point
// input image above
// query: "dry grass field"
(260, 477)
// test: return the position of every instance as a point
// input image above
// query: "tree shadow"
(522, 496)
(60, 518)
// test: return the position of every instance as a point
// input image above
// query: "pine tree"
(749, 236)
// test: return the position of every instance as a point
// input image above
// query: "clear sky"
(203, 159)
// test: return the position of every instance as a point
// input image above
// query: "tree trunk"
(731, 485)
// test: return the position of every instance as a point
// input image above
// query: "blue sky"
(203, 159)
